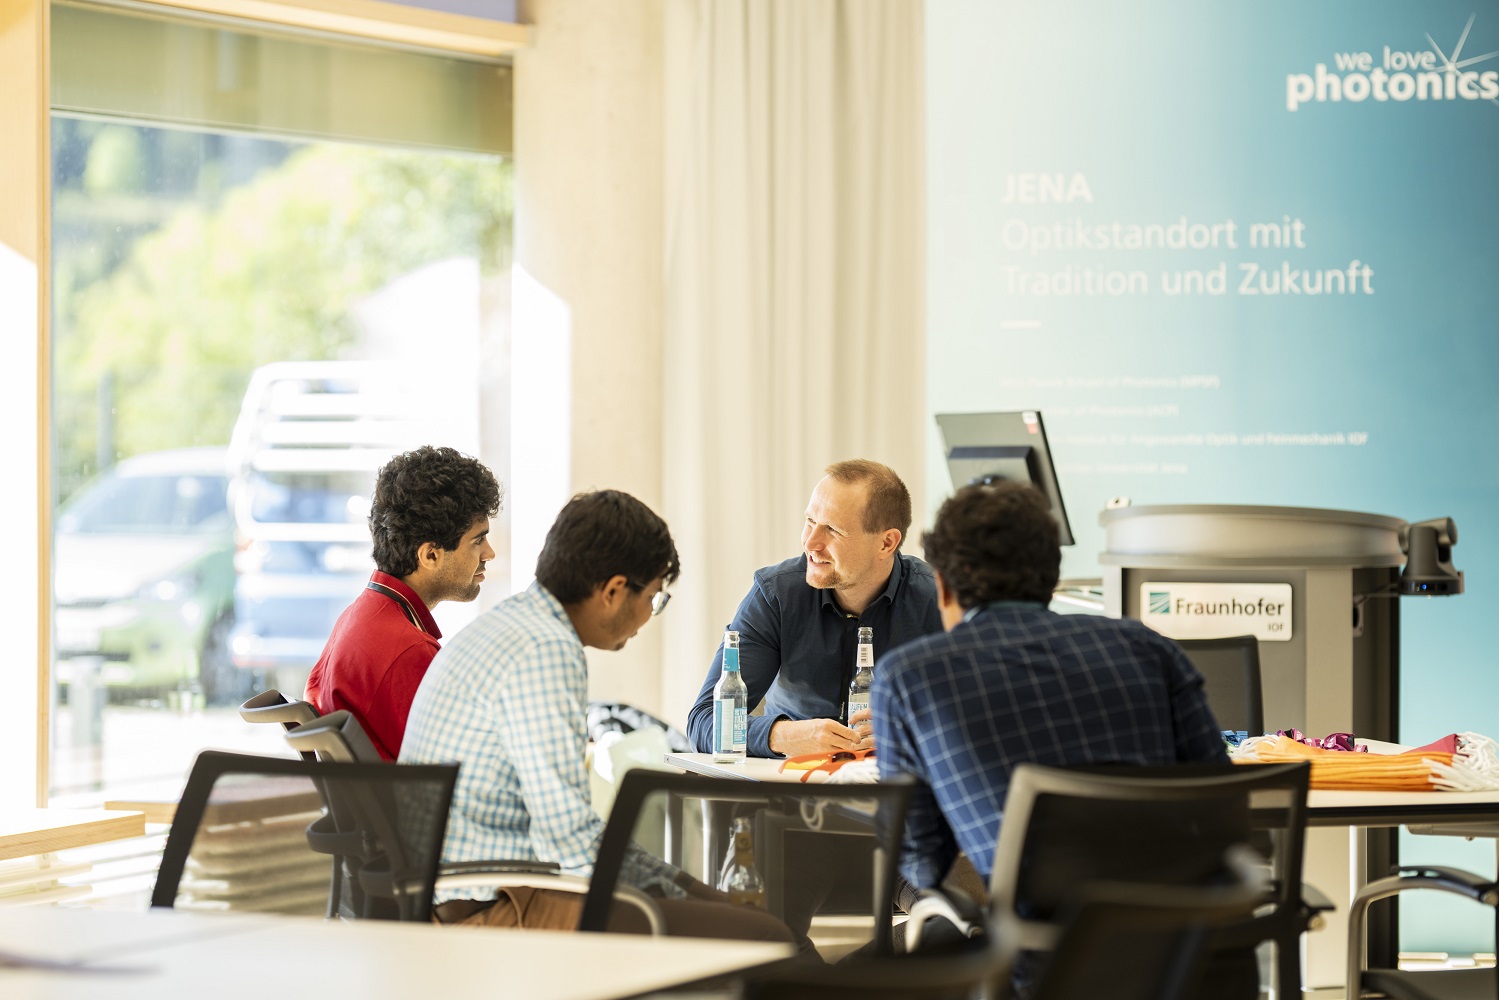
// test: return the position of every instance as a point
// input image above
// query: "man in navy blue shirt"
(798, 640)
(799, 624)
(1011, 681)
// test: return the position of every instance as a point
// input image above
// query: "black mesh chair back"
(1065, 829)
(245, 836)
(777, 807)
(338, 738)
(1123, 944)
(274, 707)
(1230, 671)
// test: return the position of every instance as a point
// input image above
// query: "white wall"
(23, 332)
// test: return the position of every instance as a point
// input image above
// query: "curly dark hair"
(602, 535)
(427, 495)
(996, 543)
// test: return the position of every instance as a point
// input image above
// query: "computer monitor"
(988, 447)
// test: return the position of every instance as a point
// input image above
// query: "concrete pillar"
(589, 169)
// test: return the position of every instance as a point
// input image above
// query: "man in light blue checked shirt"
(506, 697)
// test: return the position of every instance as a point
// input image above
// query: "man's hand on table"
(790, 738)
(862, 722)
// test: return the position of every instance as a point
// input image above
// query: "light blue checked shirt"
(506, 698)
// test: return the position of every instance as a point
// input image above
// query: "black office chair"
(1116, 945)
(1125, 947)
(1065, 828)
(240, 836)
(275, 708)
(1429, 984)
(823, 807)
(1123, 941)
(1230, 671)
(338, 738)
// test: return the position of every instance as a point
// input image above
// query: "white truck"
(303, 457)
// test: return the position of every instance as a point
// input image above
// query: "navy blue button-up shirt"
(797, 647)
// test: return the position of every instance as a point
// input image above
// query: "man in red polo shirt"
(430, 522)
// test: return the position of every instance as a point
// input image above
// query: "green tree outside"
(266, 272)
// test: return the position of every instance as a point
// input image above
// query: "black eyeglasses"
(659, 599)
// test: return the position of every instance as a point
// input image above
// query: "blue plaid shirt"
(1016, 683)
(506, 697)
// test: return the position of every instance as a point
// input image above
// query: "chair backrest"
(274, 707)
(1230, 671)
(1116, 945)
(245, 831)
(1126, 944)
(877, 809)
(337, 738)
(1066, 828)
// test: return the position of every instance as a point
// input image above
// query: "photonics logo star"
(1455, 63)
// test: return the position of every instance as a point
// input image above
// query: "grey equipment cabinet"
(1332, 666)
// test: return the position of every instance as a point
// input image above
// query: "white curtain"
(794, 281)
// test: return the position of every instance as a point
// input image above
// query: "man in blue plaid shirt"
(506, 697)
(1012, 682)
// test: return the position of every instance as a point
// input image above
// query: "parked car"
(143, 577)
(306, 447)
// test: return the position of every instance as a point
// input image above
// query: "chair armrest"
(1469, 831)
(1439, 877)
(505, 875)
(1314, 900)
(502, 878)
(1442, 879)
(1314, 903)
(955, 908)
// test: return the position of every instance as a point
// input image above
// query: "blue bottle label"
(730, 726)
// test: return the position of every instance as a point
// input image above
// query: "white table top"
(1345, 808)
(751, 769)
(1324, 808)
(172, 954)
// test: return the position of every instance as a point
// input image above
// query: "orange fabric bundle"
(1405, 772)
(811, 763)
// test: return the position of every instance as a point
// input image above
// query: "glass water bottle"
(858, 688)
(730, 707)
(740, 879)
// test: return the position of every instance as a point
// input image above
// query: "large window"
(276, 262)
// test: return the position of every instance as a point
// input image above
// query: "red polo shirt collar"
(423, 615)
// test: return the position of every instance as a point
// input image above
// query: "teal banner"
(1234, 253)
